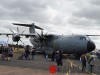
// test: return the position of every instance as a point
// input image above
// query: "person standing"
(33, 53)
(27, 52)
(1, 46)
(53, 55)
(83, 60)
(91, 63)
(46, 54)
(10, 53)
(58, 60)
(61, 57)
(3, 51)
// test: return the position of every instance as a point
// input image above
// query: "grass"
(19, 51)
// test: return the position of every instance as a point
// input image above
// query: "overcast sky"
(55, 16)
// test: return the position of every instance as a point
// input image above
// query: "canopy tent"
(5, 43)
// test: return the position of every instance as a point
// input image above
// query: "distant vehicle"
(93, 53)
(71, 44)
(98, 54)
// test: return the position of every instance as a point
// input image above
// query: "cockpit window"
(82, 38)
(87, 38)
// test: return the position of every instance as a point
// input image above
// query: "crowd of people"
(88, 62)
(56, 56)
(27, 52)
(6, 52)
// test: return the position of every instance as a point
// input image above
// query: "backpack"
(90, 60)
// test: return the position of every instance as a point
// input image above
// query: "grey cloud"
(81, 21)
(23, 9)
(88, 9)
(95, 2)
(90, 13)
(23, 5)
(87, 15)
(33, 10)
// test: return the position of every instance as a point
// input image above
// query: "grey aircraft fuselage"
(71, 44)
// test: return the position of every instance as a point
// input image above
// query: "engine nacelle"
(16, 38)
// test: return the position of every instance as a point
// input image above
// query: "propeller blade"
(39, 35)
(12, 31)
(23, 32)
(22, 42)
(46, 42)
(46, 33)
(18, 30)
(41, 44)
(42, 33)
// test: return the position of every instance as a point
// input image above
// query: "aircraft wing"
(6, 34)
(27, 35)
(92, 35)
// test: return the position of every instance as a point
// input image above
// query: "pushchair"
(22, 56)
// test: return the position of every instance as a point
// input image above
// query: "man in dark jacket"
(27, 52)
(53, 55)
(83, 60)
(33, 53)
(58, 58)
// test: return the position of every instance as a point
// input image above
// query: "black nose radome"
(90, 46)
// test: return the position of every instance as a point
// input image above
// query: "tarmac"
(41, 66)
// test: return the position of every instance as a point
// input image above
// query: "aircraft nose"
(90, 46)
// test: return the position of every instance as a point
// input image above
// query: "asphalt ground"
(40, 66)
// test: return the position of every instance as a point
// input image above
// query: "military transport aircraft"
(71, 44)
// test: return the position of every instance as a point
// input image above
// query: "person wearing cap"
(83, 60)
(91, 62)
(58, 59)
(27, 52)
(33, 53)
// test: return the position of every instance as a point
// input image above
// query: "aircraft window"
(82, 38)
(87, 38)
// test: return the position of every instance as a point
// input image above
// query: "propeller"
(42, 38)
(17, 37)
